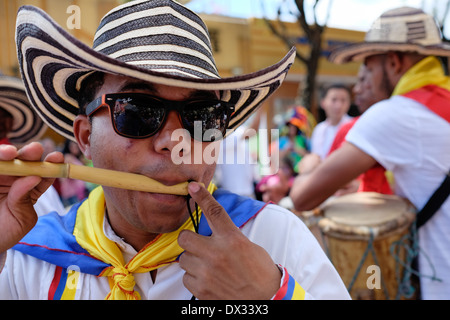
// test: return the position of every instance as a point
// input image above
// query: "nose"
(357, 88)
(168, 138)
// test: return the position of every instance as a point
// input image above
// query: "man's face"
(336, 104)
(365, 95)
(142, 211)
(6, 123)
(377, 76)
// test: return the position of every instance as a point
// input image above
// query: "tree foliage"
(313, 32)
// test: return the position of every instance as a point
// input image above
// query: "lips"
(169, 182)
(165, 175)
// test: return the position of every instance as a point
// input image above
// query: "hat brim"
(27, 125)
(53, 64)
(362, 50)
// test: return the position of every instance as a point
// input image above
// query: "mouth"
(169, 181)
(166, 198)
(171, 187)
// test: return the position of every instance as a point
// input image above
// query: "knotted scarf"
(88, 231)
(53, 240)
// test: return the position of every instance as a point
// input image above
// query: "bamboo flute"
(104, 177)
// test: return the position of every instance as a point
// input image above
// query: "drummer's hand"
(225, 265)
(19, 194)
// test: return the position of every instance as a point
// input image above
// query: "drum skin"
(360, 228)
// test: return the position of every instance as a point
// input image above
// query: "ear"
(82, 133)
(395, 63)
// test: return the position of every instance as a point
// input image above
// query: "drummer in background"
(374, 179)
(407, 137)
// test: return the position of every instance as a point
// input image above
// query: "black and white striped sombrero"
(158, 41)
(402, 29)
(27, 125)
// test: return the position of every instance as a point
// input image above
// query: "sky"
(345, 14)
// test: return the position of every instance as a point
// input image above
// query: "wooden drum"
(359, 230)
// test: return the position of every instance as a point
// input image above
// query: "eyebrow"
(139, 86)
(201, 94)
(196, 94)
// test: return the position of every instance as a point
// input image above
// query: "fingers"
(22, 188)
(193, 243)
(31, 152)
(19, 194)
(197, 278)
(225, 265)
(189, 262)
(55, 157)
(8, 152)
(22, 191)
(218, 219)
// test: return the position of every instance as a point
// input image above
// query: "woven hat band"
(158, 35)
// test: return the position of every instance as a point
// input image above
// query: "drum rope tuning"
(410, 243)
(370, 249)
(374, 230)
(405, 288)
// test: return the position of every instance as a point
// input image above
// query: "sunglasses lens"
(206, 121)
(141, 116)
(136, 118)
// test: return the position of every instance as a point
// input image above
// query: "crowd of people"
(133, 245)
(398, 145)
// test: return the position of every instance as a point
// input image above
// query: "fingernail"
(194, 187)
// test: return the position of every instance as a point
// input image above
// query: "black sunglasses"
(139, 116)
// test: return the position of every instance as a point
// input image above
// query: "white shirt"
(323, 136)
(279, 231)
(235, 170)
(49, 201)
(408, 139)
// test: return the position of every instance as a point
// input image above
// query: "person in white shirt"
(130, 100)
(236, 167)
(336, 103)
(407, 134)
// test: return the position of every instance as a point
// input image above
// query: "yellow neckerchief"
(425, 72)
(89, 234)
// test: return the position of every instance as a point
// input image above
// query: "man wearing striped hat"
(407, 134)
(150, 75)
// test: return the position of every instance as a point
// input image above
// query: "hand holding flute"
(24, 179)
(19, 194)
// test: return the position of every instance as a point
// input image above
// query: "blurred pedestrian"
(336, 103)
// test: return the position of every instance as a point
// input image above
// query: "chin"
(164, 224)
(147, 212)
(163, 216)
